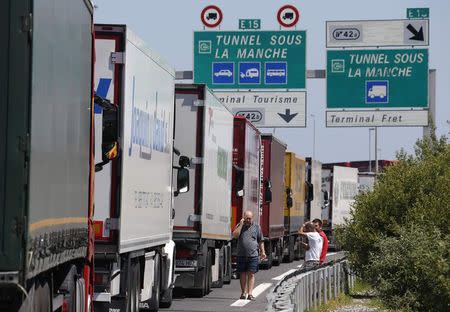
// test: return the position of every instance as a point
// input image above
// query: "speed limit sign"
(211, 16)
(288, 16)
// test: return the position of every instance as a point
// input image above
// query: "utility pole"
(314, 135)
(376, 151)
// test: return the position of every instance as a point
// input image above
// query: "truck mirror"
(268, 191)
(239, 181)
(289, 202)
(268, 195)
(310, 191)
(109, 151)
(182, 181)
(325, 196)
(184, 162)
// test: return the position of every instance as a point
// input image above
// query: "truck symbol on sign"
(276, 73)
(211, 16)
(250, 73)
(288, 16)
(377, 91)
(223, 72)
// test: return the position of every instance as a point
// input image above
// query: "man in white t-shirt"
(314, 245)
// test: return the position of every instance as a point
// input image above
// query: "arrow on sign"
(418, 35)
(287, 116)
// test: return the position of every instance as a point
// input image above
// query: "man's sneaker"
(243, 296)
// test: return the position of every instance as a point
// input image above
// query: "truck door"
(14, 99)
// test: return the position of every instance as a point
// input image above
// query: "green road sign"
(250, 59)
(249, 24)
(377, 78)
(418, 13)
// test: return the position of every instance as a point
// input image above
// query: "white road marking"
(256, 292)
(300, 266)
(240, 303)
(280, 277)
(260, 289)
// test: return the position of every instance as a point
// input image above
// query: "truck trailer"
(340, 185)
(315, 195)
(246, 190)
(294, 205)
(46, 163)
(202, 234)
(272, 217)
(134, 118)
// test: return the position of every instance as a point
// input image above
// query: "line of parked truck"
(118, 185)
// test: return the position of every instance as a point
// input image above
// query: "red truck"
(246, 174)
(272, 217)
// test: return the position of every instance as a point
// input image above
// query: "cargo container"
(340, 186)
(134, 115)
(246, 191)
(294, 205)
(45, 156)
(272, 217)
(202, 234)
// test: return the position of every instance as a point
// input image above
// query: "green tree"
(398, 237)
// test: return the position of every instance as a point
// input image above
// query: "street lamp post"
(314, 135)
(376, 151)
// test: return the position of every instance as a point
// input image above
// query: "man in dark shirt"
(249, 239)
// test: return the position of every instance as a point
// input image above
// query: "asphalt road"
(227, 298)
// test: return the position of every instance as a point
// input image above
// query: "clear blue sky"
(167, 27)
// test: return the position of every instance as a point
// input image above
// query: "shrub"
(398, 235)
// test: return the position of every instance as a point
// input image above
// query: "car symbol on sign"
(223, 72)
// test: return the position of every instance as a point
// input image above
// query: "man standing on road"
(314, 245)
(318, 225)
(249, 239)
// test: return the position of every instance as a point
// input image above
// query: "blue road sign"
(377, 91)
(276, 73)
(249, 72)
(223, 73)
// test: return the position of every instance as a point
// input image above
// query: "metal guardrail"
(305, 289)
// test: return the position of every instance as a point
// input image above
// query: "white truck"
(314, 201)
(134, 116)
(340, 184)
(202, 233)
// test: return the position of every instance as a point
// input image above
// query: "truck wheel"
(219, 282)
(267, 264)
(81, 294)
(227, 268)
(42, 300)
(134, 287)
(278, 254)
(68, 287)
(154, 302)
(297, 249)
(209, 272)
(166, 300)
(291, 250)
